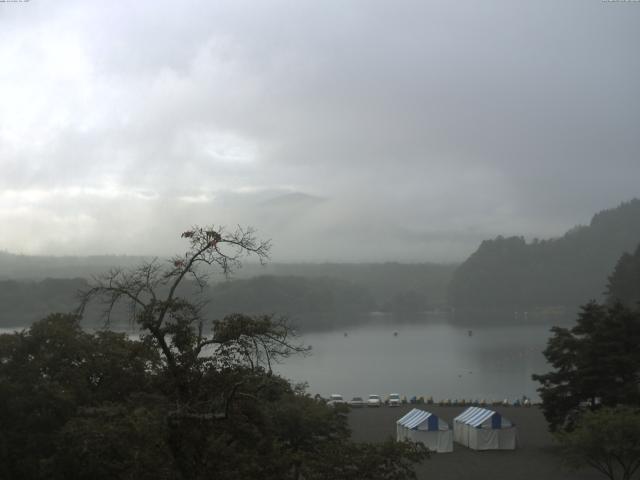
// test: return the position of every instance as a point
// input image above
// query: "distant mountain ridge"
(33, 287)
(504, 273)
(38, 267)
(567, 271)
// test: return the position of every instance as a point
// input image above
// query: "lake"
(433, 358)
(428, 357)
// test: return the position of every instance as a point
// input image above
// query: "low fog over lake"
(423, 358)
(420, 358)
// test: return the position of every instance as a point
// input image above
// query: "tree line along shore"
(507, 279)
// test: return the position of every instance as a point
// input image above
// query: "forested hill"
(386, 282)
(24, 302)
(40, 267)
(567, 271)
(309, 291)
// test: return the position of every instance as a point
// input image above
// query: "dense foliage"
(190, 399)
(513, 274)
(624, 282)
(608, 440)
(595, 363)
(591, 398)
(54, 373)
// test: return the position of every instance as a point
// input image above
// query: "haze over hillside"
(286, 289)
(509, 272)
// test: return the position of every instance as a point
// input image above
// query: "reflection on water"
(424, 359)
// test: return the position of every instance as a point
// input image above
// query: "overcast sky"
(342, 130)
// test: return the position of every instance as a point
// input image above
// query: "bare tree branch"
(175, 324)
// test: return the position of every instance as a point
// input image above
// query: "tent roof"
(414, 418)
(474, 416)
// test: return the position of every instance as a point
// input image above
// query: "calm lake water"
(432, 359)
(426, 358)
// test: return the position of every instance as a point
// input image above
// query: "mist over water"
(435, 359)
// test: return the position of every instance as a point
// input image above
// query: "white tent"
(483, 429)
(425, 427)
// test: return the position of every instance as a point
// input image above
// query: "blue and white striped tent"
(425, 427)
(483, 429)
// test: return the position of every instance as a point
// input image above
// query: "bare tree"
(176, 325)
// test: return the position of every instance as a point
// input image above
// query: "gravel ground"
(536, 457)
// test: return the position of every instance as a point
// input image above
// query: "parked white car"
(394, 400)
(374, 401)
(335, 399)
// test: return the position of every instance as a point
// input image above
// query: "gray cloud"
(365, 130)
